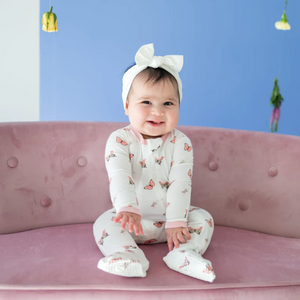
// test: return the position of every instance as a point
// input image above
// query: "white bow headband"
(145, 58)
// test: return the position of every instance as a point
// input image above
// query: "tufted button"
(243, 205)
(46, 202)
(82, 161)
(273, 171)
(213, 166)
(12, 162)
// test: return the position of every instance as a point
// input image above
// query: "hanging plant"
(283, 23)
(49, 21)
(276, 100)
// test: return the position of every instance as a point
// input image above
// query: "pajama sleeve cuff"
(130, 209)
(175, 224)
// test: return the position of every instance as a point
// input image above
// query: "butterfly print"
(132, 261)
(186, 263)
(110, 155)
(190, 173)
(130, 156)
(158, 224)
(182, 162)
(127, 248)
(150, 186)
(187, 147)
(194, 208)
(143, 163)
(120, 141)
(154, 203)
(185, 191)
(209, 270)
(115, 260)
(126, 129)
(164, 185)
(104, 235)
(197, 230)
(174, 140)
(150, 241)
(155, 149)
(130, 180)
(172, 163)
(185, 213)
(206, 240)
(182, 251)
(210, 222)
(157, 160)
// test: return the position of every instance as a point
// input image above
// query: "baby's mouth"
(154, 123)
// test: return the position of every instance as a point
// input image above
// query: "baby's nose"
(157, 111)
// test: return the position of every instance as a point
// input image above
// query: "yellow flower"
(49, 21)
(283, 23)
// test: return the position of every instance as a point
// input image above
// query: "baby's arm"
(122, 187)
(179, 192)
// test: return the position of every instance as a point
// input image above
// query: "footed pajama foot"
(122, 264)
(190, 263)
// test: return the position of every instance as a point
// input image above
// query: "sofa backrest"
(53, 173)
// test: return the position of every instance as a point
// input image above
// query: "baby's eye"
(168, 103)
(146, 102)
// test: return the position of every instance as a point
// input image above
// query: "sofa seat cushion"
(65, 258)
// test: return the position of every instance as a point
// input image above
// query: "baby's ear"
(126, 108)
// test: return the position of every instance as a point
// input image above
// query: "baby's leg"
(187, 259)
(122, 255)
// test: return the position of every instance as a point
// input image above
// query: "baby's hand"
(133, 220)
(175, 236)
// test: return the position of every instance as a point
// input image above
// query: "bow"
(145, 57)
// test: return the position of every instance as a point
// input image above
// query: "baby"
(150, 166)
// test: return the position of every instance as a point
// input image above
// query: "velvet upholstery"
(54, 185)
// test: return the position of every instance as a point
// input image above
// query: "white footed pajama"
(152, 178)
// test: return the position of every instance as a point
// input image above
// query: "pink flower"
(275, 117)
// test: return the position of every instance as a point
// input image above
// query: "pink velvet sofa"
(53, 186)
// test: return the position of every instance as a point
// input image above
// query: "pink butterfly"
(185, 213)
(197, 230)
(210, 222)
(158, 224)
(157, 160)
(120, 141)
(185, 191)
(130, 180)
(150, 241)
(131, 156)
(114, 260)
(174, 140)
(187, 147)
(209, 270)
(190, 173)
(150, 186)
(172, 163)
(110, 155)
(186, 263)
(143, 163)
(164, 185)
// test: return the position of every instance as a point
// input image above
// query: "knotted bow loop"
(145, 57)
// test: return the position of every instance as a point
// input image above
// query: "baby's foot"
(124, 264)
(190, 263)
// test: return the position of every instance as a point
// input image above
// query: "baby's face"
(153, 109)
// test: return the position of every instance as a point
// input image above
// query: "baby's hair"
(155, 75)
